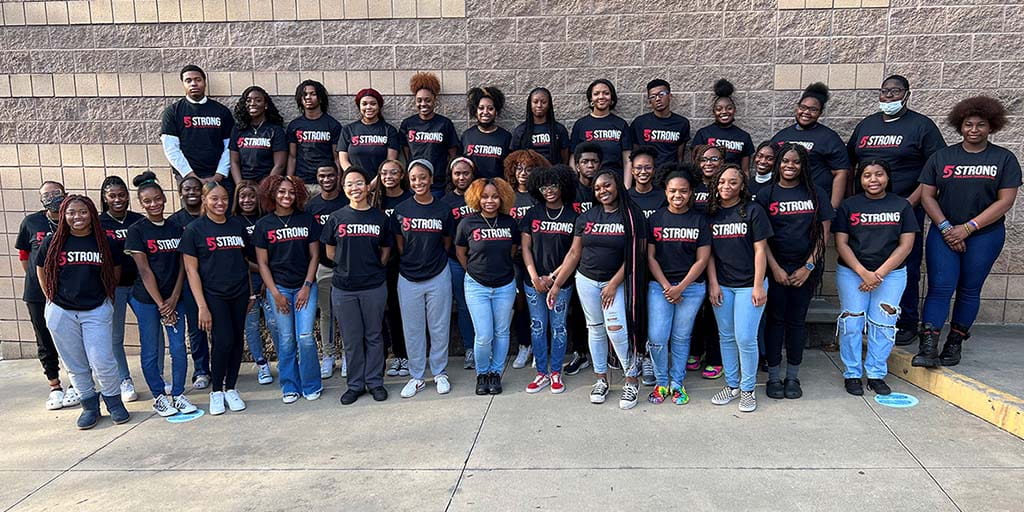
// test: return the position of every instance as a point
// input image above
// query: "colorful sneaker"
(540, 382)
(679, 396)
(692, 363)
(659, 395)
(712, 372)
(556, 383)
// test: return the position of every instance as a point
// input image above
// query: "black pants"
(227, 345)
(364, 350)
(47, 351)
(393, 335)
(787, 320)
(705, 336)
(521, 313)
(576, 324)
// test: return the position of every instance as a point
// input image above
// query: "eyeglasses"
(657, 95)
(809, 110)
(547, 189)
(892, 91)
(710, 159)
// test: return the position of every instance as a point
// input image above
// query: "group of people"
(635, 233)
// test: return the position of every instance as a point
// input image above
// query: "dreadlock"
(817, 232)
(51, 267)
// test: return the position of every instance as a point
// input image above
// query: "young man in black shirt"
(313, 136)
(195, 131)
(662, 129)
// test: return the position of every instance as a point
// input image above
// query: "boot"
(927, 355)
(116, 408)
(905, 337)
(950, 355)
(90, 413)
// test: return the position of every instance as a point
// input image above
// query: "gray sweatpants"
(426, 303)
(328, 318)
(83, 340)
(364, 350)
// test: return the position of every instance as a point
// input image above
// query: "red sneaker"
(540, 382)
(556, 383)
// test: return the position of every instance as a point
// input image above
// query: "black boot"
(950, 355)
(90, 413)
(116, 408)
(928, 351)
(905, 336)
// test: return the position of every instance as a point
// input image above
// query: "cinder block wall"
(82, 83)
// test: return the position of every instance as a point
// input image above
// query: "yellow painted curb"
(996, 407)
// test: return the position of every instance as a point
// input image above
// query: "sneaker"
(128, 393)
(183, 405)
(628, 399)
(679, 395)
(327, 367)
(556, 383)
(647, 372)
(854, 387)
(775, 389)
(443, 386)
(312, 396)
(344, 366)
(162, 405)
(659, 395)
(71, 398)
(495, 383)
(55, 400)
(350, 396)
(693, 363)
(577, 363)
(483, 384)
(747, 401)
(523, 357)
(403, 370)
(290, 398)
(793, 390)
(712, 372)
(201, 382)
(263, 375)
(725, 396)
(540, 382)
(234, 401)
(412, 387)
(396, 364)
(379, 394)
(217, 403)
(905, 336)
(468, 362)
(879, 386)
(599, 392)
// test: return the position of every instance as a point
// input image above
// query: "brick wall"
(82, 83)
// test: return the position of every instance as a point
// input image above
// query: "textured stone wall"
(82, 83)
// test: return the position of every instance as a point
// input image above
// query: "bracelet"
(945, 226)
(973, 224)
(967, 228)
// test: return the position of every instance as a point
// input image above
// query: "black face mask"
(53, 203)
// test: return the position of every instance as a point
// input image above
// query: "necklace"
(492, 226)
(256, 129)
(283, 221)
(115, 219)
(559, 214)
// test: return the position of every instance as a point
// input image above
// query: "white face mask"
(890, 108)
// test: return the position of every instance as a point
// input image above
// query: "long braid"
(51, 267)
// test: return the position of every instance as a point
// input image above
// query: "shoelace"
(629, 392)
(599, 388)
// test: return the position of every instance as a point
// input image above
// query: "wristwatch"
(308, 284)
(809, 266)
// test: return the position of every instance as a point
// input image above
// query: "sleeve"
(576, 137)
(290, 137)
(188, 242)
(1010, 177)
(43, 248)
(841, 222)
(133, 241)
(759, 222)
(259, 235)
(344, 138)
(698, 138)
(233, 140)
(634, 129)
(278, 140)
(704, 237)
(168, 122)
(228, 125)
(684, 133)
(448, 225)
(454, 135)
(837, 156)
(909, 224)
(564, 134)
(650, 225)
(387, 239)
(461, 239)
(516, 232)
(316, 229)
(931, 139)
(172, 151)
(762, 199)
(928, 174)
(748, 146)
(851, 145)
(403, 132)
(335, 128)
(22, 242)
(393, 225)
(580, 225)
(517, 136)
(394, 141)
(826, 212)
(328, 235)
(626, 143)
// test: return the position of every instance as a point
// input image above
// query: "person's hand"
(165, 308)
(799, 277)
(758, 295)
(302, 298)
(205, 319)
(779, 275)
(539, 285)
(715, 295)
(955, 234)
(869, 282)
(608, 296)
(281, 302)
(960, 246)
(673, 294)
(548, 281)
(553, 296)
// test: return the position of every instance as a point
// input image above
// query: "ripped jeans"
(882, 310)
(298, 366)
(602, 322)
(541, 319)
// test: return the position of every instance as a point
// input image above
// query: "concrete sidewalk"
(826, 451)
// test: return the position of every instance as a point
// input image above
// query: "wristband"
(974, 225)
(308, 284)
(945, 226)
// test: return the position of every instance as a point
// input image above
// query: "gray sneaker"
(647, 375)
(469, 363)
(725, 396)
(747, 401)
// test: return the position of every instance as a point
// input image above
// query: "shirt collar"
(200, 102)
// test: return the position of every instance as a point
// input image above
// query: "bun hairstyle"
(687, 171)
(723, 89)
(424, 80)
(476, 94)
(146, 180)
(818, 91)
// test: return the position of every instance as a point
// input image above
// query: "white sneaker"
(412, 387)
(290, 398)
(183, 405)
(403, 370)
(327, 367)
(217, 403)
(201, 382)
(313, 396)
(443, 386)
(344, 366)
(396, 364)
(71, 398)
(162, 405)
(128, 393)
(629, 396)
(55, 400)
(263, 375)
(234, 401)
(522, 358)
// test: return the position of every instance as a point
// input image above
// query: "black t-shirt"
(734, 140)
(584, 198)
(968, 183)
(201, 128)
(791, 212)
(489, 246)
(756, 187)
(117, 232)
(460, 210)
(256, 148)
(182, 218)
(388, 204)
(80, 278)
(611, 133)
(650, 201)
(222, 251)
(700, 197)
(541, 140)
(423, 229)
(368, 144)
(551, 233)
(431, 141)
(825, 149)
(287, 240)
(34, 228)
(604, 243)
(904, 143)
(874, 227)
(160, 245)
(249, 222)
(357, 237)
(487, 150)
(314, 141)
(665, 134)
(321, 209)
(676, 237)
(732, 243)
(524, 202)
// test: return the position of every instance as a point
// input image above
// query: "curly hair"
(267, 192)
(505, 192)
(723, 90)
(987, 108)
(236, 209)
(424, 80)
(476, 94)
(528, 157)
(321, 94)
(241, 112)
(818, 91)
(559, 175)
(51, 266)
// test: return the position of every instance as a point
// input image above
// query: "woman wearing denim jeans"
(247, 209)
(287, 244)
(737, 286)
(678, 251)
(461, 173)
(966, 189)
(874, 233)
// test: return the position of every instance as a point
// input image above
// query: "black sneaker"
(350, 396)
(879, 386)
(578, 362)
(793, 390)
(495, 383)
(483, 384)
(775, 389)
(613, 361)
(905, 336)
(380, 393)
(854, 387)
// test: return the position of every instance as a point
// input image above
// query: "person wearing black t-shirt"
(461, 174)
(764, 164)
(710, 160)
(704, 347)
(800, 215)
(605, 129)
(485, 243)
(736, 282)
(191, 199)
(648, 197)
(428, 135)
(587, 161)
(287, 241)
(486, 143)
(390, 189)
(216, 252)
(313, 136)
(321, 205)
(874, 232)
(246, 208)
(422, 226)
(735, 142)
(156, 297)
(518, 167)
(541, 132)
(369, 141)
(195, 131)
(661, 129)
(966, 189)
(357, 239)
(77, 274)
(258, 144)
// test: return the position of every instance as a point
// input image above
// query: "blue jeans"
(738, 320)
(542, 318)
(910, 302)
(491, 310)
(599, 325)
(151, 341)
(859, 308)
(253, 338)
(964, 273)
(669, 327)
(197, 341)
(121, 295)
(298, 363)
(462, 311)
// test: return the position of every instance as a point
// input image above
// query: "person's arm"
(681, 153)
(1004, 201)
(838, 186)
(24, 264)
(759, 295)
(896, 258)
(385, 255)
(236, 166)
(627, 170)
(392, 154)
(931, 207)
(536, 282)
(565, 155)
(714, 289)
(149, 280)
(293, 150)
(400, 244)
(800, 275)
(608, 292)
(302, 298)
(196, 284)
(174, 155)
(343, 161)
(280, 163)
(745, 165)
(329, 250)
(224, 165)
(565, 270)
(703, 258)
(655, 268)
(334, 149)
(462, 254)
(846, 255)
(42, 282)
(447, 240)
(915, 197)
(778, 273)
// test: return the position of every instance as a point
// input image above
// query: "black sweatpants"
(46, 350)
(226, 339)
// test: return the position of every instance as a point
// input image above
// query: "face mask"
(53, 203)
(890, 108)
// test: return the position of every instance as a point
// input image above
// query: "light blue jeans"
(860, 308)
(669, 327)
(599, 324)
(298, 364)
(542, 318)
(151, 342)
(253, 338)
(491, 311)
(738, 320)
(121, 295)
